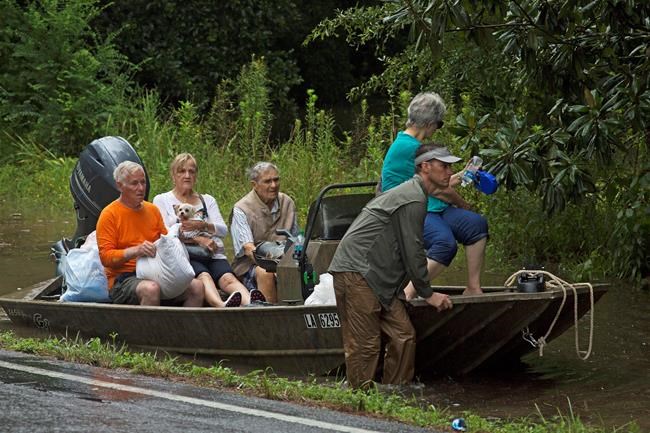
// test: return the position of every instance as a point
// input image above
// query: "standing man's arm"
(408, 223)
(451, 196)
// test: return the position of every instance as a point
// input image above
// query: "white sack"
(91, 241)
(323, 293)
(170, 268)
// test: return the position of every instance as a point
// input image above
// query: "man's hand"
(249, 250)
(410, 293)
(455, 179)
(439, 301)
(145, 249)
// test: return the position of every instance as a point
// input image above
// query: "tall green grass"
(234, 135)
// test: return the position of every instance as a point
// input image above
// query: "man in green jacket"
(380, 253)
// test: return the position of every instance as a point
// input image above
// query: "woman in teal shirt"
(449, 219)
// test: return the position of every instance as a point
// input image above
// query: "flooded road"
(612, 387)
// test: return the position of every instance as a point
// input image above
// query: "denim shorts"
(443, 230)
(249, 278)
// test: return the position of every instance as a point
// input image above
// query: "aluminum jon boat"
(481, 330)
(495, 328)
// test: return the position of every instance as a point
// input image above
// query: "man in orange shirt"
(126, 230)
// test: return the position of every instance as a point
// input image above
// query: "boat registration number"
(322, 320)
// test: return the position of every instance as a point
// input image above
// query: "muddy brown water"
(612, 387)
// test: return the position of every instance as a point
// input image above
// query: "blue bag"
(486, 182)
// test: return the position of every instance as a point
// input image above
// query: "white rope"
(555, 282)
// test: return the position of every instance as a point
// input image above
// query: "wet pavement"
(44, 395)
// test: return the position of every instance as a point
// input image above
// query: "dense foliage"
(557, 95)
(554, 95)
(58, 82)
(67, 66)
(185, 49)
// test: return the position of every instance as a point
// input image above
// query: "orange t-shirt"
(120, 227)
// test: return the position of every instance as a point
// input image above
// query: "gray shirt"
(385, 245)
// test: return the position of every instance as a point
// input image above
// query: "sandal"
(257, 297)
(233, 300)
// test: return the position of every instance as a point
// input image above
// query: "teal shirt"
(399, 166)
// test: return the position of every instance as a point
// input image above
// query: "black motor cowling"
(91, 183)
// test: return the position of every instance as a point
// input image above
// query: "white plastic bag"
(170, 268)
(84, 277)
(91, 241)
(323, 293)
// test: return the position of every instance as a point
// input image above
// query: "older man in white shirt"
(254, 219)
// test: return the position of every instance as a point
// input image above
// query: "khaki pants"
(363, 320)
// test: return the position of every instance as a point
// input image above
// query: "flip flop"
(257, 296)
(233, 300)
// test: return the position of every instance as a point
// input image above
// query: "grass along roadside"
(264, 383)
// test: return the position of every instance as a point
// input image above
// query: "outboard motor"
(91, 183)
(92, 188)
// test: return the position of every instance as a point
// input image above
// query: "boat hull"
(478, 331)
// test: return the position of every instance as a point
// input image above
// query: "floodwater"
(612, 387)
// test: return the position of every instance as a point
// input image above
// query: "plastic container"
(529, 283)
(297, 246)
(470, 172)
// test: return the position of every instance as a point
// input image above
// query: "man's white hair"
(256, 171)
(125, 169)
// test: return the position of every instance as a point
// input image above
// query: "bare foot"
(469, 291)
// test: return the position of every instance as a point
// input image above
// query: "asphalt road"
(44, 395)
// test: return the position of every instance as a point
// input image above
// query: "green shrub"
(59, 81)
(583, 241)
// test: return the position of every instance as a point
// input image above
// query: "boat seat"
(336, 214)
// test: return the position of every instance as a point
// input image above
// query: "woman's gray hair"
(425, 109)
(256, 171)
(125, 169)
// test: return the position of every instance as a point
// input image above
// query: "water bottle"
(297, 245)
(470, 173)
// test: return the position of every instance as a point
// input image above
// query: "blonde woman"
(213, 270)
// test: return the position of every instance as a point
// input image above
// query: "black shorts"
(215, 267)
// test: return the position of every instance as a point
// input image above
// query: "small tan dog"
(186, 212)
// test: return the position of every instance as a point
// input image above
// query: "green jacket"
(384, 243)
